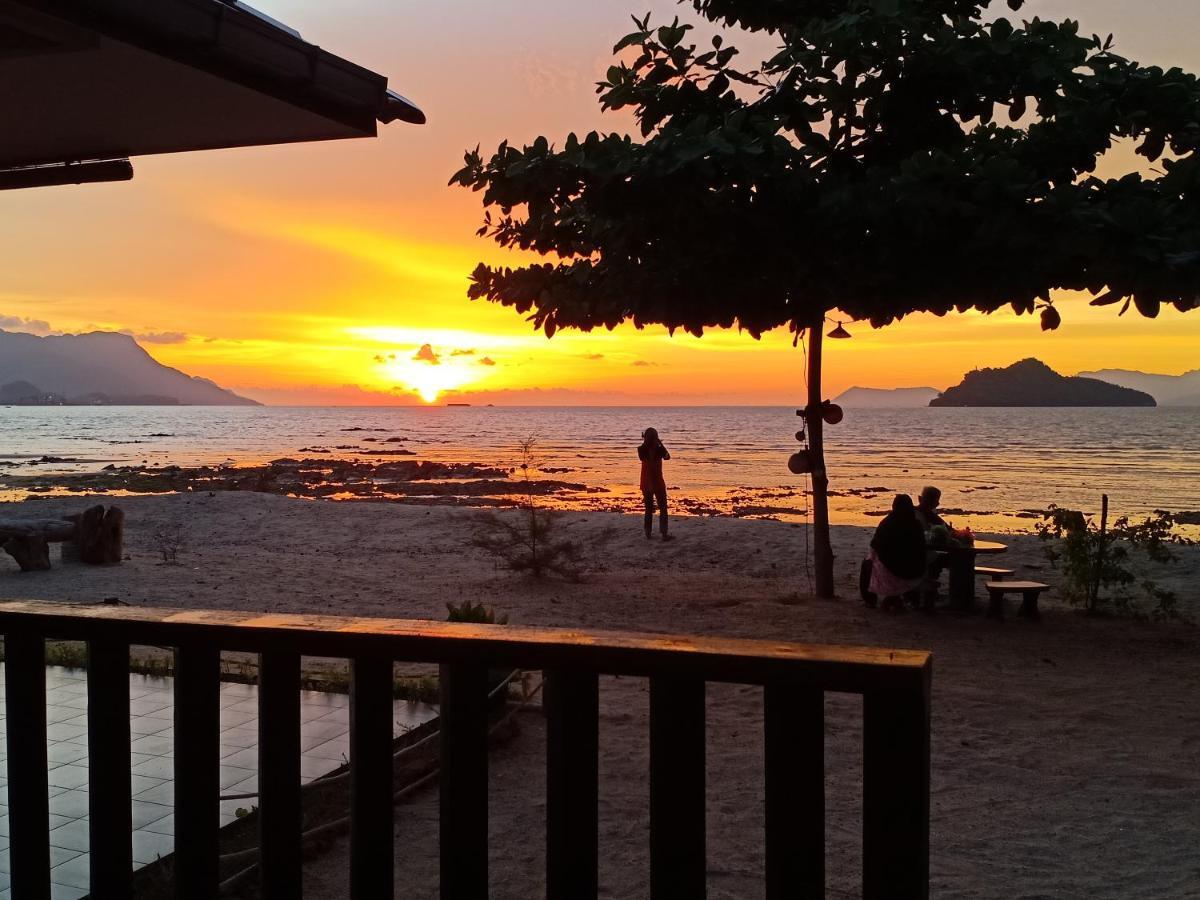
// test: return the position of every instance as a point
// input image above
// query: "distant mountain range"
(101, 367)
(884, 398)
(1031, 382)
(1168, 390)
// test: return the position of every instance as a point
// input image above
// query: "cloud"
(593, 356)
(642, 362)
(161, 337)
(32, 326)
(380, 358)
(487, 361)
(426, 354)
(462, 352)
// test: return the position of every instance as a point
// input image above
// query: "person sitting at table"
(898, 554)
(938, 536)
(927, 509)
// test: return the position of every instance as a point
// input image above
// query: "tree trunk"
(822, 549)
(1101, 553)
(100, 536)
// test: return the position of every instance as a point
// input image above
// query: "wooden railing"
(895, 686)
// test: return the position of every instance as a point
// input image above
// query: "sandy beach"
(1066, 755)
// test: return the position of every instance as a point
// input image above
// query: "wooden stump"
(31, 552)
(100, 535)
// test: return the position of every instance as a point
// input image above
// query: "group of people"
(905, 562)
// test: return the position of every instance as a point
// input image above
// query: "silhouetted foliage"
(863, 167)
(1098, 566)
(529, 541)
(475, 613)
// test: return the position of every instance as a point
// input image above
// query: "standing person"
(654, 488)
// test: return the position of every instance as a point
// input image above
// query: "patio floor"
(324, 745)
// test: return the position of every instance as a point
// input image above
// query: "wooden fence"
(895, 685)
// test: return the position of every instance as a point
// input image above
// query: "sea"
(998, 469)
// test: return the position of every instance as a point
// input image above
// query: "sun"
(427, 379)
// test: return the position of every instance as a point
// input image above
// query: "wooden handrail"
(895, 685)
(739, 660)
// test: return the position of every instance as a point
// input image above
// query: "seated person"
(938, 535)
(927, 509)
(898, 554)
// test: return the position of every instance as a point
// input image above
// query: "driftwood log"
(94, 536)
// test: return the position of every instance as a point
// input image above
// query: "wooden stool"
(1029, 591)
(993, 572)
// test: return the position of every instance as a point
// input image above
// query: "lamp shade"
(839, 333)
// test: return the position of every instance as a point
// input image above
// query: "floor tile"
(74, 873)
(71, 804)
(146, 814)
(72, 836)
(165, 825)
(156, 767)
(68, 776)
(61, 752)
(149, 846)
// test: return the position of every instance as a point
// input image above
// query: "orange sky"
(315, 274)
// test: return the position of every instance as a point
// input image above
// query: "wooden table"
(960, 564)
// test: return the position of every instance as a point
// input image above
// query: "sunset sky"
(318, 274)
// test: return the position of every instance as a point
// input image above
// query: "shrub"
(169, 540)
(474, 612)
(527, 542)
(1096, 560)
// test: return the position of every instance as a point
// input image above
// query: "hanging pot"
(800, 462)
(831, 413)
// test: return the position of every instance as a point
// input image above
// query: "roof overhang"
(110, 79)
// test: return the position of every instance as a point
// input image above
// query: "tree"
(861, 168)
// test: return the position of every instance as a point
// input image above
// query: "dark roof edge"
(233, 43)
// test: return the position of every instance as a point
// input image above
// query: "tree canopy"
(893, 156)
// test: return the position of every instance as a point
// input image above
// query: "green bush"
(1095, 561)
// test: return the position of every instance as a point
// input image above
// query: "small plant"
(1095, 560)
(527, 543)
(474, 612)
(169, 540)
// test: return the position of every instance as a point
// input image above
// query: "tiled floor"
(324, 745)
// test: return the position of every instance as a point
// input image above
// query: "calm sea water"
(993, 464)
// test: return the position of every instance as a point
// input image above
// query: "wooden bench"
(95, 536)
(994, 572)
(1029, 591)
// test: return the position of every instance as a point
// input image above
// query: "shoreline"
(396, 475)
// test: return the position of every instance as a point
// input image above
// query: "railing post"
(678, 861)
(572, 701)
(197, 782)
(794, 745)
(279, 811)
(28, 805)
(896, 791)
(464, 798)
(371, 839)
(110, 821)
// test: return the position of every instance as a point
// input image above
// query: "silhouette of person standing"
(654, 488)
